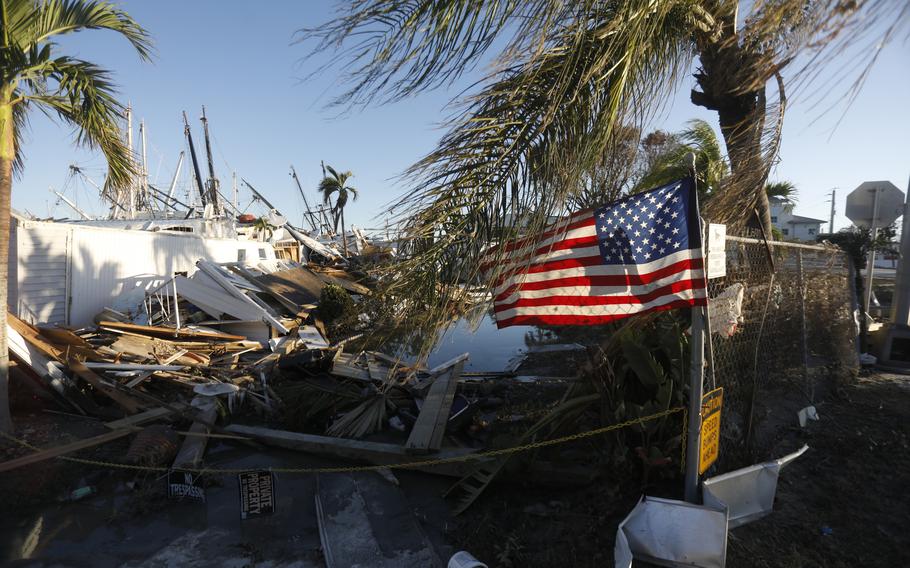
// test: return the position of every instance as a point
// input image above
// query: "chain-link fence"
(781, 317)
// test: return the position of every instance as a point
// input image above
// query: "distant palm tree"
(711, 165)
(783, 189)
(263, 227)
(337, 182)
(81, 94)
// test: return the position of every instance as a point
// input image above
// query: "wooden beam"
(434, 415)
(193, 448)
(65, 449)
(372, 452)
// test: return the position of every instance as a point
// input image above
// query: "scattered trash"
(464, 559)
(867, 359)
(806, 414)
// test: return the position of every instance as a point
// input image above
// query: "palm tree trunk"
(7, 157)
(344, 236)
(727, 68)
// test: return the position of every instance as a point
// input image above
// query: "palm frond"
(34, 23)
(520, 146)
(783, 189)
(83, 95)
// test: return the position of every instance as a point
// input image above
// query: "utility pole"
(212, 182)
(831, 224)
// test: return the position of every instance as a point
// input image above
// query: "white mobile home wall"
(67, 273)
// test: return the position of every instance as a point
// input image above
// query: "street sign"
(861, 204)
(711, 405)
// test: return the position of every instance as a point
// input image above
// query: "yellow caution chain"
(409, 465)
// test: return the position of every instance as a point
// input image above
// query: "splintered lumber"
(345, 365)
(373, 452)
(169, 332)
(69, 341)
(127, 403)
(431, 422)
(65, 449)
(193, 448)
(119, 429)
(43, 366)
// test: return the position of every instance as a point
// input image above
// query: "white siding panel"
(115, 268)
(41, 272)
(104, 267)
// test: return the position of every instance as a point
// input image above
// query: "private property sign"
(257, 493)
(711, 405)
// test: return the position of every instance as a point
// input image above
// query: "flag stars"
(675, 230)
(676, 245)
(674, 215)
(647, 255)
(635, 217)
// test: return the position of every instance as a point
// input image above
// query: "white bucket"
(465, 559)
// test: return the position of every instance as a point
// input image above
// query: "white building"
(793, 227)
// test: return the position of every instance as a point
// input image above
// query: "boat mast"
(305, 202)
(170, 191)
(72, 205)
(212, 182)
(145, 170)
(131, 203)
(189, 140)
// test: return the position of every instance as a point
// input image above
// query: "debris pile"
(234, 350)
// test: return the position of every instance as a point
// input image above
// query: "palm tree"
(565, 77)
(783, 189)
(337, 182)
(34, 75)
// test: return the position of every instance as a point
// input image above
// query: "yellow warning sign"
(711, 405)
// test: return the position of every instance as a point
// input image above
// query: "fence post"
(802, 310)
(696, 392)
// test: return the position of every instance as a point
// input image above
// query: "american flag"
(636, 255)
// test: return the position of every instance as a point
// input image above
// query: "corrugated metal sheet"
(41, 266)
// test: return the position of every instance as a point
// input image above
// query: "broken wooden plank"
(133, 367)
(127, 403)
(133, 383)
(169, 332)
(434, 416)
(64, 449)
(372, 452)
(193, 448)
(140, 418)
(44, 367)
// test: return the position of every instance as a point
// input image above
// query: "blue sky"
(237, 59)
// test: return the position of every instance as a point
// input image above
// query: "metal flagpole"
(696, 377)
